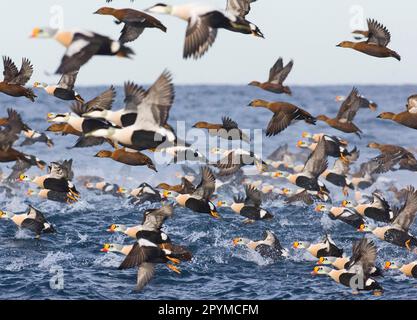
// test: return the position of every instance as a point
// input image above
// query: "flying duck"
(144, 193)
(284, 115)
(398, 231)
(306, 196)
(344, 119)
(315, 165)
(409, 269)
(228, 129)
(32, 219)
(82, 46)
(277, 76)
(129, 157)
(125, 117)
(269, 247)
(250, 207)
(186, 187)
(199, 200)
(9, 135)
(32, 137)
(14, 80)
(325, 248)
(134, 21)
(106, 188)
(365, 103)
(357, 275)
(54, 182)
(144, 255)
(397, 154)
(64, 90)
(378, 210)
(378, 37)
(203, 22)
(335, 146)
(344, 214)
(150, 129)
(235, 159)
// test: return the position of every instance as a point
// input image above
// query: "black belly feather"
(399, 237)
(307, 183)
(128, 119)
(377, 214)
(64, 94)
(197, 205)
(337, 180)
(142, 140)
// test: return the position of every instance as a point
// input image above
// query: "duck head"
(161, 8)
(44, 33)
(255, 84)
(326, 260)
(6, 214)
(117, 228)
(111, 247)
(280, 174)
(302, 144)
(105, 11)
(306, 135)
(258, 103)
(103, 154)
(213, 211)
(321, 270)
(122, 190)
(373, 145)
(346, 44)
(58, 117)
(24, 178)
(40, 85)
(365, 228)
(347, 204)
(392, 265)
(321, 208)
(301, 245)
(340, 98)
(386, 115)
(240, 241)
(322, 117)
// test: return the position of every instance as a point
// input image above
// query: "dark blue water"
(218, 270)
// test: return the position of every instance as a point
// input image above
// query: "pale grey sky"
(304, 30)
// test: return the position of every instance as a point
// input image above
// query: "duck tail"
(396, 55)
(125, 52)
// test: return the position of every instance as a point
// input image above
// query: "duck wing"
(302, 196)
(207, 185)
(134, 95)
(239, 8)
(67, 80)
(283, 74)
(279, 153)
(79, 52)
(10, 70)
(349, 107)
(378, 33)
(130, 32)
(380, 202)
(135, 258)
(155, 107)
(103, 101)
(229, 124)
(145, 273)
(199, 36)
(24, 74)
(407, 214)
(154, 218)
(363, 257)
(317, 163)
(253, 196)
